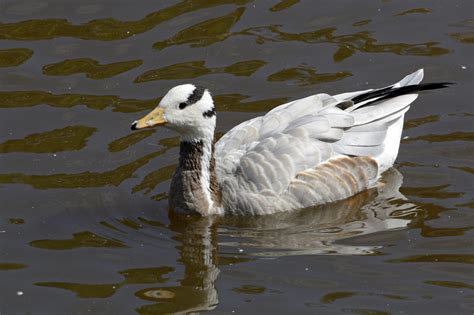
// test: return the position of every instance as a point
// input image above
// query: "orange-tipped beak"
(155, 118)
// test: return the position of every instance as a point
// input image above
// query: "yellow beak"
(155, 118)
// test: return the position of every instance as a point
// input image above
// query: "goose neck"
(198, 175)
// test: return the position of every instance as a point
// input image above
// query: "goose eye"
(182, 105)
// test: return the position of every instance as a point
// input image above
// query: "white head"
(186, 108)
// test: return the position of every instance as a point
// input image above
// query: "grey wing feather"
(275, 156)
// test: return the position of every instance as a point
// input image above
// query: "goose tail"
(381, 112)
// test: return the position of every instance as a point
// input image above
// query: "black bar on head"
(195, 97)
(210, 113)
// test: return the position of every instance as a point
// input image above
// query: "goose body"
(310, 151)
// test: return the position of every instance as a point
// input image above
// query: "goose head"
(187, 109)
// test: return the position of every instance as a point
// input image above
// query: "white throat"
(206, 171)
(202, 132)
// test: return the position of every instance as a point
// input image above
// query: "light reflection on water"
(316, 231)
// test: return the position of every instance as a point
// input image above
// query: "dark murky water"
(84, 226)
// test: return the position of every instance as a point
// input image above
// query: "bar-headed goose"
(311, 151)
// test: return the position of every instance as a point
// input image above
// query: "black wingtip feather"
(390, 92)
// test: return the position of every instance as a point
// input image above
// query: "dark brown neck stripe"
(190, 154)
(187, 190)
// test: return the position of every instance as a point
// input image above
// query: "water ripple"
(195, 69)
(14, 57)
(103, 29)
(71, 138)
(90, 67)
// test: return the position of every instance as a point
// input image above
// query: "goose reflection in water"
(197, 237)
(312, 231)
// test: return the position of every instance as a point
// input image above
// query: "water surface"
(84, 223)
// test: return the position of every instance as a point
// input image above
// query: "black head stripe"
(210, 113)
(194, 97)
